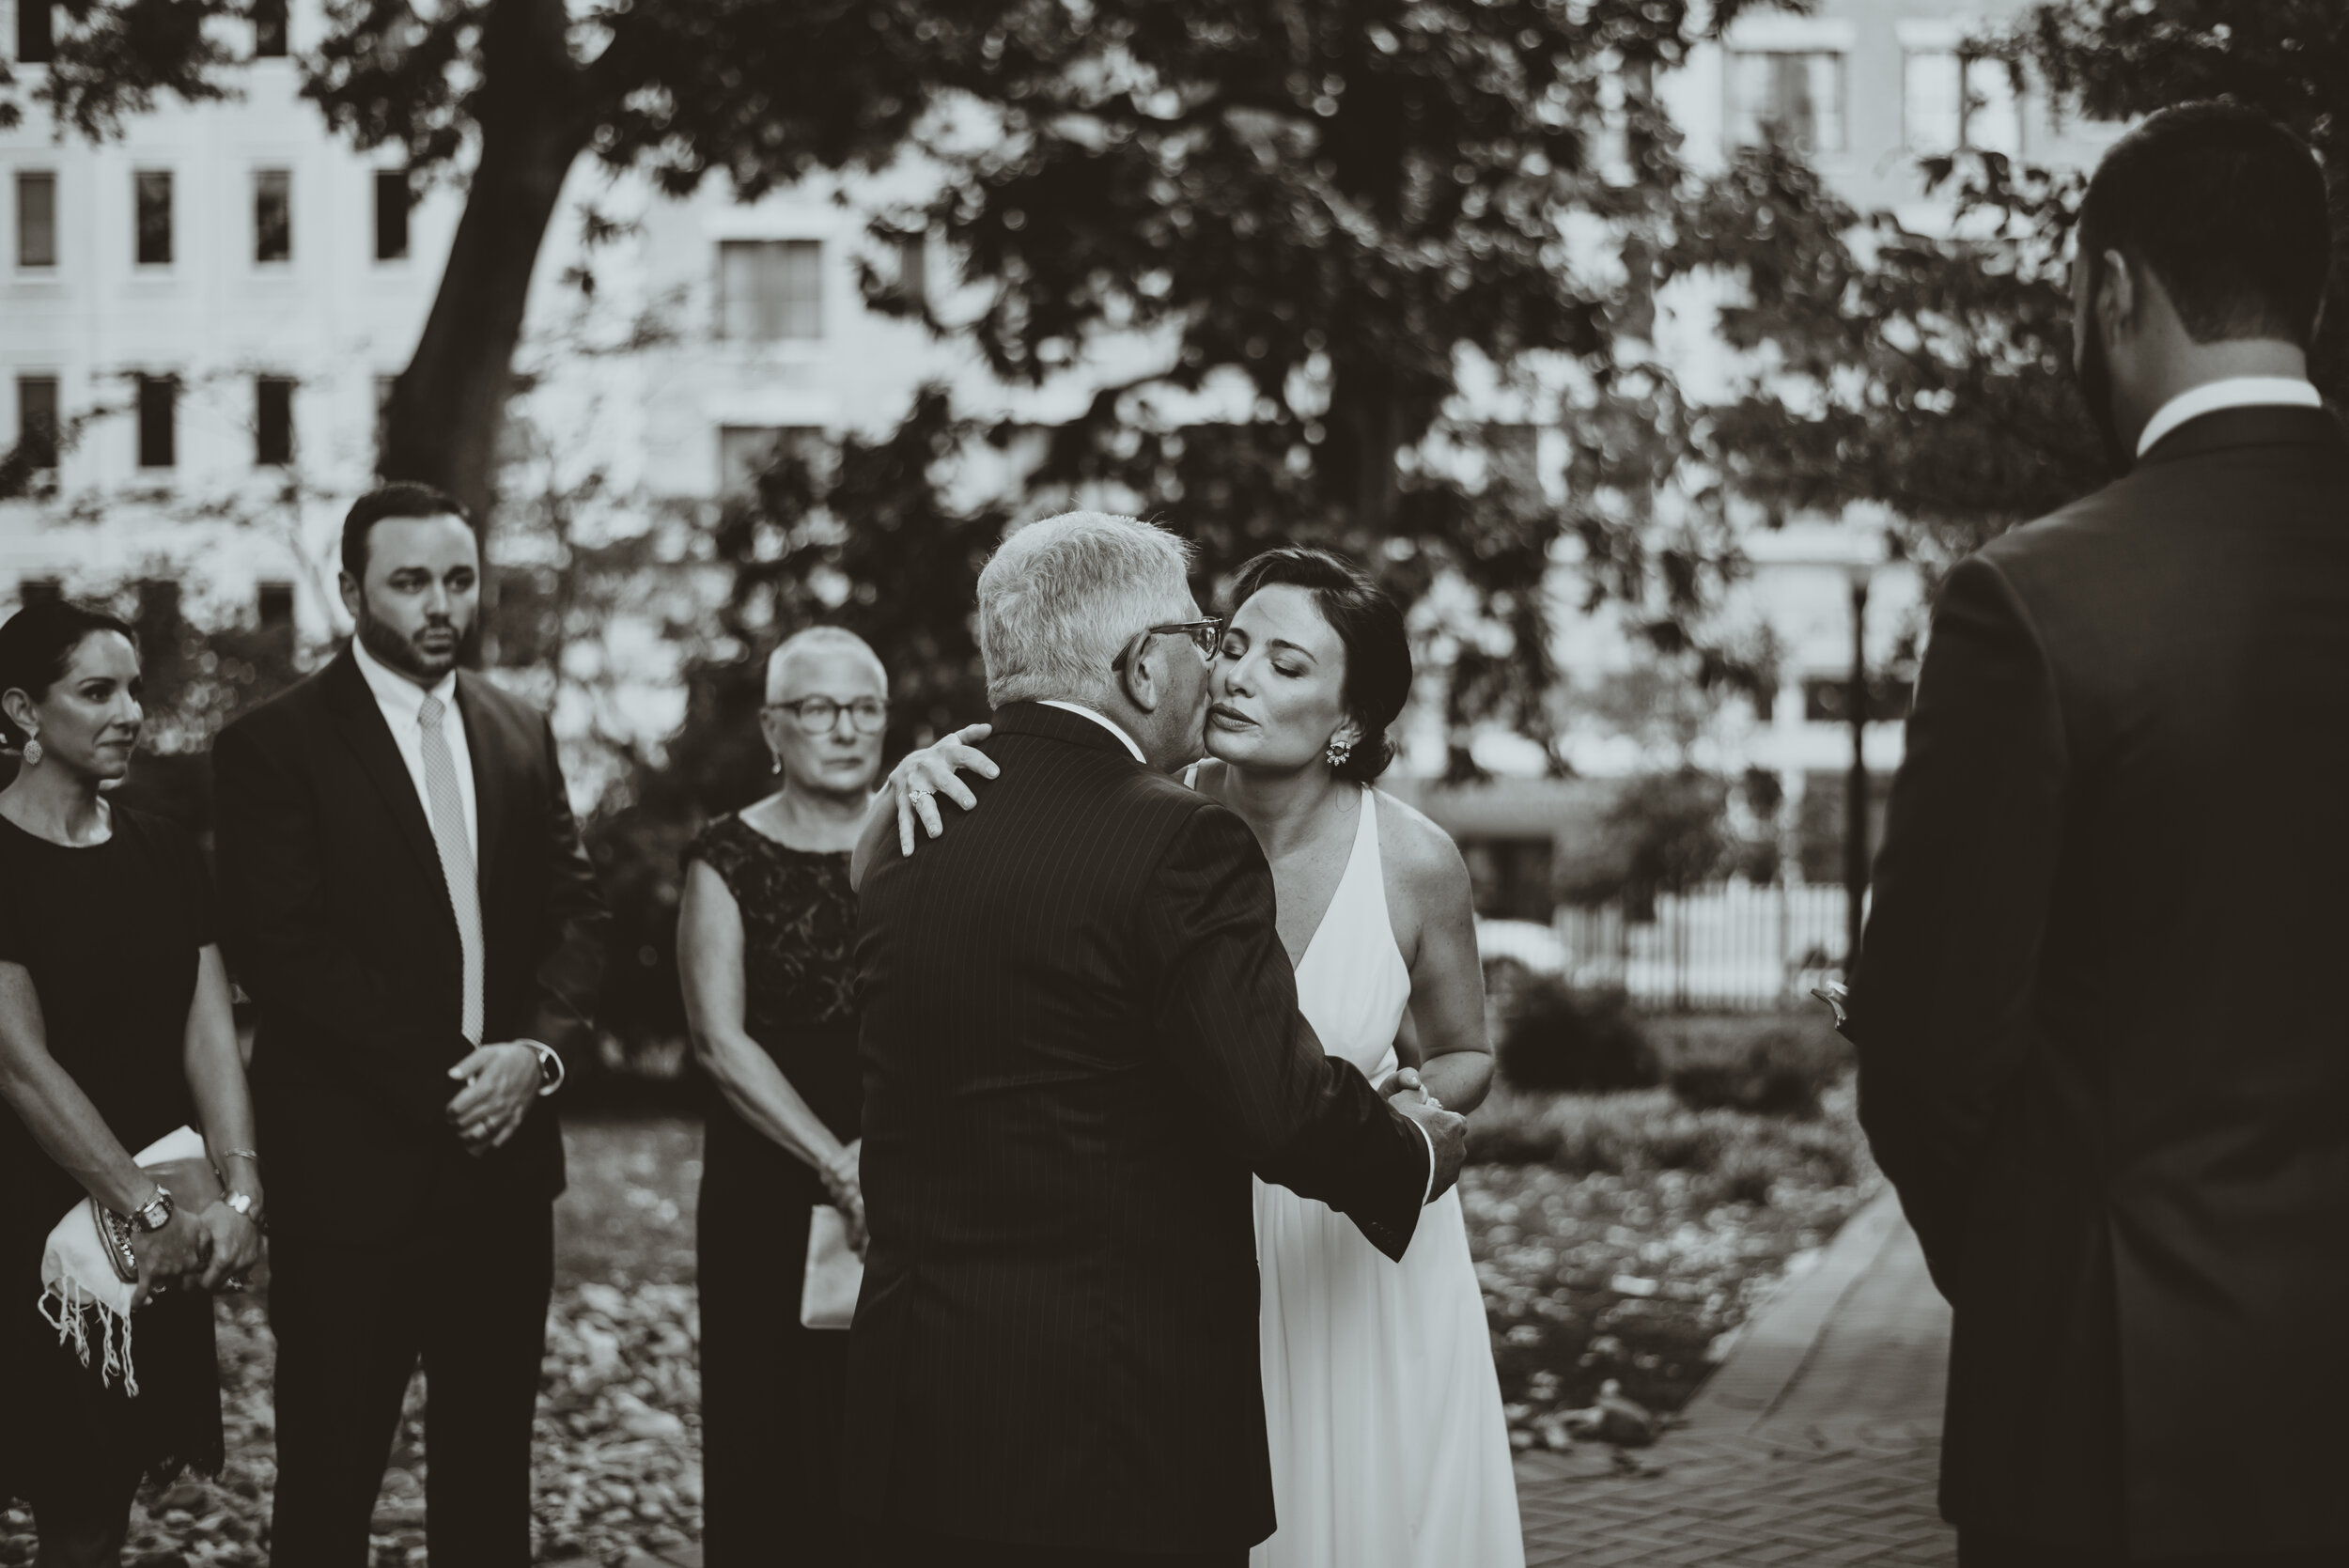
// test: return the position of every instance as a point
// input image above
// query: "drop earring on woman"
(1337, 751)
(33, 753)
(778, 767)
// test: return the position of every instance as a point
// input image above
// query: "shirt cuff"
(1430, 1139)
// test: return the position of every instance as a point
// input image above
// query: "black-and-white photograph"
(1173, 783)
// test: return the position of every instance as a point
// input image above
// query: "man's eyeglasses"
(1205, 636)
(817, 715)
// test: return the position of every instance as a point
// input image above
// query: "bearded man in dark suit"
(1080, 1035)
(410, 912)
(2103, 1055)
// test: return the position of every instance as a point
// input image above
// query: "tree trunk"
(447, 408)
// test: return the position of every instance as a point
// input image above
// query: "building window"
(159, 413)
(747, 451)
(36, 218)
(38, 590)
(913, 270)
(769, 289)
(152, 194)
(35, 40)
(1952, 100)
(269, 29)
(1511, 878)
(1796, 97)
(275, 601)
(393, 198)
(272, 421)
(36, 421)
(272, 216)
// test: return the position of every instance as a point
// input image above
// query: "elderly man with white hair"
(1080, 1036)
(765, 942)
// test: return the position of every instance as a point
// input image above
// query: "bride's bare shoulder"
(1421, 860)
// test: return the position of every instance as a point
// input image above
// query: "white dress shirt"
(1105, 721)
(1115, 728)
(2233, 392)
(401, 702)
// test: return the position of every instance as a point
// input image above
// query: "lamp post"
(1855, 788)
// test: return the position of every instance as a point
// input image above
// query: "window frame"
(783, 309)
(158, 391)
(262, 178)
(35, 46)
(264, 387)
(403, 181)
(26, 180)
(1740, 135)
(139, 178)
(25, 433)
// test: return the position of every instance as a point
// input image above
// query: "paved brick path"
(1816, 1442)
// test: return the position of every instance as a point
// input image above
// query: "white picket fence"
(1735, 946)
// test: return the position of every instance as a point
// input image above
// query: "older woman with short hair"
(764, 943)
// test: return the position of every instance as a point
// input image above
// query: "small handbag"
(835, 1272)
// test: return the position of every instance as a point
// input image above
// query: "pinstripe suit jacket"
(1080, 1034)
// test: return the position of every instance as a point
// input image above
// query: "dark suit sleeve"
(282, 941)
(1226, 1009)
(570, 973)
(1941, 1008)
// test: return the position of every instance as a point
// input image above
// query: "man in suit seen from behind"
(1080, 1035)
(2103, 1051)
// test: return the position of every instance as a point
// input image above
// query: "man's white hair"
(819, 639)
(1062, 597)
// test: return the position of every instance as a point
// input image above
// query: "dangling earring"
(1337, 751)
(778, 767)
(33, 753)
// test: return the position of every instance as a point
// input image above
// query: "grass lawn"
(1620, 1235)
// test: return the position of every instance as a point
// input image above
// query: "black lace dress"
(110, 934)
(774, 1394)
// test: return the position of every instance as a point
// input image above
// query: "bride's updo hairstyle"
(1367, 621)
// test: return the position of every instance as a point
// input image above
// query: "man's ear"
(2116, 282)
(1141, 679)
(354, 598)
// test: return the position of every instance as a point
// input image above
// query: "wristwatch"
(155, 1213)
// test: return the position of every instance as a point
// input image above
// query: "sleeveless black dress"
(110, 934)
(773, 1393)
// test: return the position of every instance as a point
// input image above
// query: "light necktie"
(456, 867)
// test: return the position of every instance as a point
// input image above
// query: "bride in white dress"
(1381, 1404)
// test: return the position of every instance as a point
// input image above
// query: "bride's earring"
(1337, 751)
(778, 767)
(33, 753)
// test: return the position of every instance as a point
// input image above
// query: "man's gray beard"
(397, 652)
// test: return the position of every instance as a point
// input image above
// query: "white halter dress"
(1388, 1446)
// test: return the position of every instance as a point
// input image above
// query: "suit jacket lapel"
(370, 737)
(486, 739)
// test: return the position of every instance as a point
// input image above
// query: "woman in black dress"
(765, 941)
(114, 1030)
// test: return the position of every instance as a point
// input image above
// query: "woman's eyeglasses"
(1206, 635)
(816, 715)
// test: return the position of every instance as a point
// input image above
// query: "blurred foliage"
(1557, 1037)
(1931, 375)
(1665, 833)
(1780, 1069)
(1300, 225)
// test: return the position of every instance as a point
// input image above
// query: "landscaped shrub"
(1778, 1072)
(1736, 1154)
(1557, 1037)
